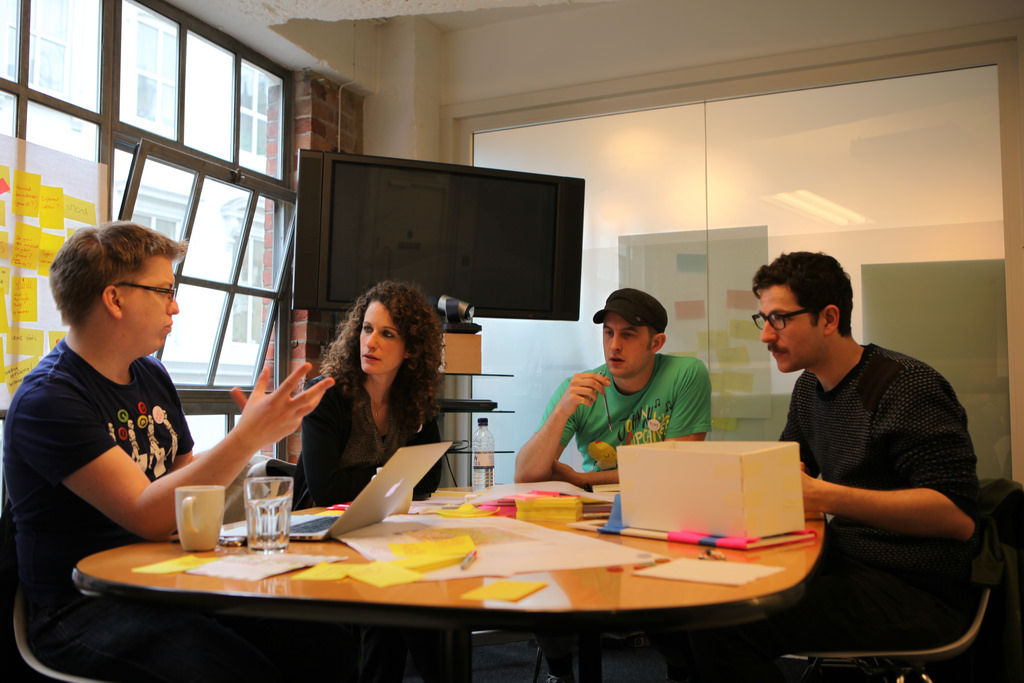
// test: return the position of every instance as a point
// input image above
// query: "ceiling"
(253, 23)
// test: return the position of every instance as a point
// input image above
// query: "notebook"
(386, 493)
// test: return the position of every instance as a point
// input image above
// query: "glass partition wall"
(899, 179)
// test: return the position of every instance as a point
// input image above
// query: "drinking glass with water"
(268, 513)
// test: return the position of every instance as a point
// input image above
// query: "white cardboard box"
(719, 488)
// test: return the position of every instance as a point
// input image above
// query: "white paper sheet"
(255, 566)
(504, 546)
(708, 571)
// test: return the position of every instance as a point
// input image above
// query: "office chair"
(20, 618)
(898, 663)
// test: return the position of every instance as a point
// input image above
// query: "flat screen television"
(507, 242)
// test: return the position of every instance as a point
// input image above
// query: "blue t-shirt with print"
(675, 402)
(64, 415)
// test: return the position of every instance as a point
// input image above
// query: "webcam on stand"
(456, 314)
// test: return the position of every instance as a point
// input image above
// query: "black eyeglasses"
(166, 291)
(776, 320)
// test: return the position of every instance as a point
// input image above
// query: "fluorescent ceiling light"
(814, 205)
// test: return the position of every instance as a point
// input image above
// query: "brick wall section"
(317, 119)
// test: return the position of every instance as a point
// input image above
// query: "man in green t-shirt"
(637, 396)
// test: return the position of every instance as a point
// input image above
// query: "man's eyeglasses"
(166, 291)
(776, 320)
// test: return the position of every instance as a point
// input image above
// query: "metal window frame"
(114, 134)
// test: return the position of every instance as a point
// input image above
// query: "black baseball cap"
(636, 308)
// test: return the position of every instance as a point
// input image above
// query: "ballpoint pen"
(607, 411)
(468, 560)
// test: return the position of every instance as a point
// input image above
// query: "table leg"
(590, 657)
(457, 656)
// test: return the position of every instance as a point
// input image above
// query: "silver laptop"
(384, 495)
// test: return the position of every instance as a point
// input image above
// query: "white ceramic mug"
(199, 511)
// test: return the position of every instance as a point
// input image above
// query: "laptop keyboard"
(312, 526)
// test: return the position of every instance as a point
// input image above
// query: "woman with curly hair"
(386, 364)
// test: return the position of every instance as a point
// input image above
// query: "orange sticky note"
(26, 193)
(689, 310)
(26, 246)
(51, 208)
(740, 298)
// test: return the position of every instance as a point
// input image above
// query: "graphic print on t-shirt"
(646, 425)
(156, 430)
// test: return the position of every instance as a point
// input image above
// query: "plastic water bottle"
(483, 456)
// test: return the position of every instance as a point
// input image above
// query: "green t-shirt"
(675, 402)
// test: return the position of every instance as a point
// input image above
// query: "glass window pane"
(122, 166)
(209, 97)
(207, 430)
(189, 347)
(149, 70)
(261, 265)
(217, 231)
(238, 357)
(260, 111)
(917, 157)
(10, 10)
(64, 50)
(912, 164)
(163, 198)
(63, 132)
(8, 113)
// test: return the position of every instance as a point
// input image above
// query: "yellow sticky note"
(5, 247)
(724, 424)
(79, 210)
(730, 355)
(739, 382)
(429, 562)
(4, 327)
(744, 329)
(324, 571)
(22, 342)
(3, 212)
(54, 336)
(51, 207)
(454, 545)
(26, 193)
(24, 307)
(1, 359)
(5, 180)
(26, 246)
(48, 247)
(510, 591)
(713, 339)
(5, 279)
(16, 372)
(178, 564)
(383, 574)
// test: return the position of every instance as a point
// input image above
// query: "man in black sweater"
(885, 451)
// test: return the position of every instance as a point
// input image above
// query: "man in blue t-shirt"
(95, 442)
(637, 396)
